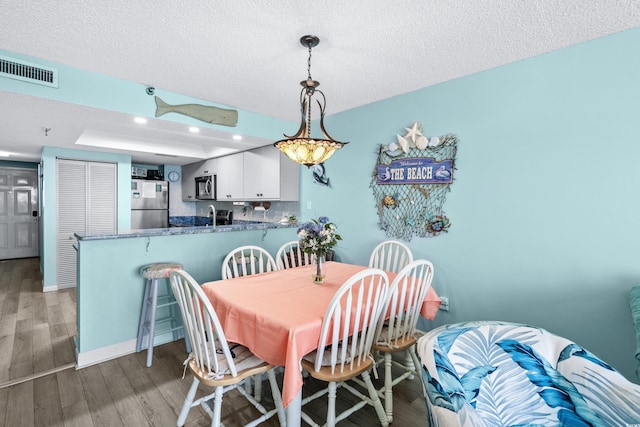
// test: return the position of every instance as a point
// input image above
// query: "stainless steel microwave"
(206, 187)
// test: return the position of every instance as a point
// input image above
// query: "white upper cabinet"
(270, 175)
(262, 174)
(259, 174)
(230, 177)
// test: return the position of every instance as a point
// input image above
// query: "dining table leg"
(294, 410)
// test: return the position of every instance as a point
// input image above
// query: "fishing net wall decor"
(410, 182)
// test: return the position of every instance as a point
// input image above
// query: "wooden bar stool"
(152, 302)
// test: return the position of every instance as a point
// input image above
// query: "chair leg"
(143, 316)
(248, 385)
(277, 398)
(408, 362)
(416, 361)
(373, 394)
(331, 405)
(187, 402)
(152, 320)
(217, 408)
(257, 387)
(388, 387)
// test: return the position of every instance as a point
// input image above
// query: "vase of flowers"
(319, 275)
(317, 237)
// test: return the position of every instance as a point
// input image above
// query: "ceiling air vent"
(33, 73)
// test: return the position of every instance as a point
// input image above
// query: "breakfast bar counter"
(180, 230)
(110, 288)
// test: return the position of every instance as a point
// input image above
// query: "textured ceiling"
(246, 54)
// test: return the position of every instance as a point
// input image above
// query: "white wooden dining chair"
(397, 332)
(390, 255)
(289, 255)
(212, 361)
(247, 260)
(343, 352)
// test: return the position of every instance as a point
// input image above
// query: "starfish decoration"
(413, 132)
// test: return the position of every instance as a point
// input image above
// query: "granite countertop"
(181, 230)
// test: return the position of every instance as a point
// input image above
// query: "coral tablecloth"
(278, 315)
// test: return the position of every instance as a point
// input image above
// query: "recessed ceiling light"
(237, 137)
(4, 154)
(140, 120)
(194, 129)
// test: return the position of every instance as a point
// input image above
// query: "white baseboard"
(103, 354)
(52, 288)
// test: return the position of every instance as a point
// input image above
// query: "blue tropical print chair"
(492, 373)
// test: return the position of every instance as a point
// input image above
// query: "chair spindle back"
(349, 324)
(202, 326)
(390, 255)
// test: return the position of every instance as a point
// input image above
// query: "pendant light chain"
(309, 63)
(309, 95)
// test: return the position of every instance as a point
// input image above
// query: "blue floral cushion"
(503, 374)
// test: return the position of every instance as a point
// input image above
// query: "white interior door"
(86, 201)
(18, 203)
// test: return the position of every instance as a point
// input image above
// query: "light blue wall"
(78, 86)
(48, 220)
(544, 207)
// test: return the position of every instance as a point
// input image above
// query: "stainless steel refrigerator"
(149, 204)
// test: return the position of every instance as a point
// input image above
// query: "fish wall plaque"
(320, 175)
(205, 113)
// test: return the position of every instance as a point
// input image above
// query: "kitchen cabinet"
(259, 174)
(262, 174)
(270, 175)
(189, 174)
(230, 177)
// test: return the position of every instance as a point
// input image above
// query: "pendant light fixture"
(302, 147)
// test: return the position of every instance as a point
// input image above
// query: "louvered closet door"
(86, 200)
(101, 198)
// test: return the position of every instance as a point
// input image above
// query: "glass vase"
(319, 274)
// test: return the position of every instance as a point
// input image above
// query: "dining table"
(278, 316)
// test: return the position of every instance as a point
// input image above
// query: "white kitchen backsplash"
(275, 213)
(246, 212)
(177, 207)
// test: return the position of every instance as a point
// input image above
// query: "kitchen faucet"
(211, 210)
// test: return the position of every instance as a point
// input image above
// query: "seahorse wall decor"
(410, 181)
(205, 113)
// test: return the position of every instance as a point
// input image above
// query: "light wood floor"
(40, 387)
